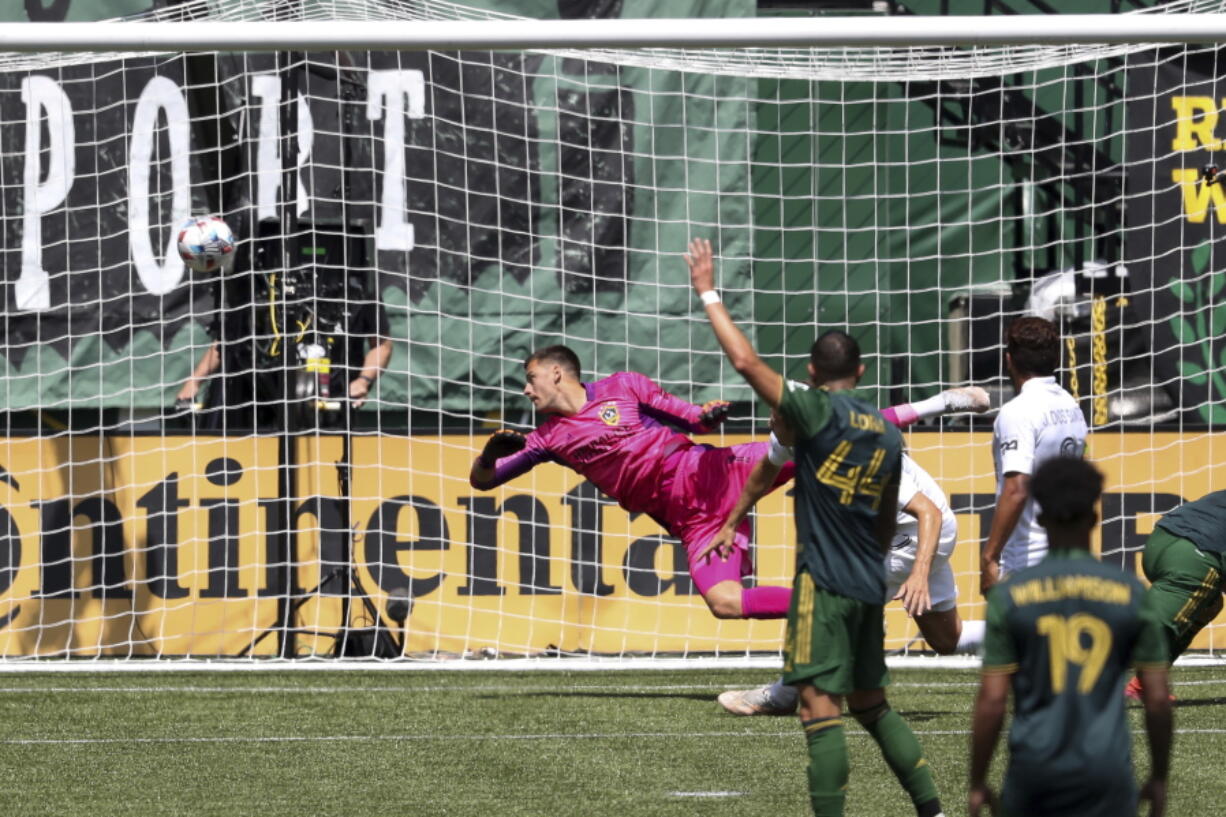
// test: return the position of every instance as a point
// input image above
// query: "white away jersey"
(942, 589)
(1042, 422)
(915, 480)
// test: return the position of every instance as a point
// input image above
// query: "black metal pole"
(342, 479)
(289, 410)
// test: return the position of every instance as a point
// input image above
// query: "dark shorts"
(1186, 586)
(833, 642)
(1088, 793)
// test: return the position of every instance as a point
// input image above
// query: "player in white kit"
(917, 570)
(1041, 422)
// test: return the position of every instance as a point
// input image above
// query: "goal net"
(271, 461)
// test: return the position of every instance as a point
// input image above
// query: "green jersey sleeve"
(999, 651)
(1150, 648)
(805, 409)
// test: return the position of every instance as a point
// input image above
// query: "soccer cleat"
(1133, 690)
(967, 398)
(753, 702)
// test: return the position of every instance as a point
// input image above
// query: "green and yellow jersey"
(1202, 522)
(1069, 629)
(846, 454)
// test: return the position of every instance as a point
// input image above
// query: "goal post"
(680, 33)
(468, 186)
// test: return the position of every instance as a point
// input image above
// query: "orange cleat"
(1133, 690)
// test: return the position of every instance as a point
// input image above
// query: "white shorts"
(1015, 558)
(941, 586)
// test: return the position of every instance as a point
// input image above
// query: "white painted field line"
(394, 738)
(1175, 683)
(790, 733)
(349, 690)
(462, 689)
(767, 663)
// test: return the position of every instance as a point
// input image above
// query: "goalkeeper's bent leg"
(771, 601)
(719, 581)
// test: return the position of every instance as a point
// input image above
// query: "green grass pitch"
(485, 743)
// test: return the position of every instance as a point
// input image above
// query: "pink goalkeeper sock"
(901, 416)
(765, 602)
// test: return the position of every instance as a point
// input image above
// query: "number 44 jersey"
(846, 456)
(1068, 630)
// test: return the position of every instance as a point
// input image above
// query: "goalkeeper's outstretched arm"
(656, 402)
(506, 455)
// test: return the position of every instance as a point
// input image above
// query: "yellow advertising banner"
(213, 546)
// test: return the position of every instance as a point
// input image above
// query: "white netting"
(494, 203)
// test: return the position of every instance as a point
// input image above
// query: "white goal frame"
(961, 32)
(823, 32)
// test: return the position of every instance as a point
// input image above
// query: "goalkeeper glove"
(502, 443)
(713, 413)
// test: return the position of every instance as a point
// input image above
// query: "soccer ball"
(206, 244)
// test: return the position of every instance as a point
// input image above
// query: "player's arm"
(887, 512)
(373, 364)
(951, 401)
(765, 381)
(506, 455)
(1150, 655)
(914, 594)
(670, 408)
(1014, 494)
(759, 483)
(1000, 661)
(986, 724)
(1014, 437)
(1156, 699)
(209, 363)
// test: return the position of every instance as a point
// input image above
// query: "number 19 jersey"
(1068, 630)
(846, 453)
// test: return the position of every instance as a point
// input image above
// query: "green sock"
(828, 766)
(902, 753)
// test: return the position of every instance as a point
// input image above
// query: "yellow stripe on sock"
(813, 728)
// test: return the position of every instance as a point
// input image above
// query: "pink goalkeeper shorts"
(706, 486)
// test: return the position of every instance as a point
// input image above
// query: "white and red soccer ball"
(206, 244)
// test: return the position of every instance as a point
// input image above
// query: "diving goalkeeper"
(621, 433)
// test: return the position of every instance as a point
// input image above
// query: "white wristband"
(779, 453)
(709, 297)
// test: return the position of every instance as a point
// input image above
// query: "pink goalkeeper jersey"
(617, 441)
